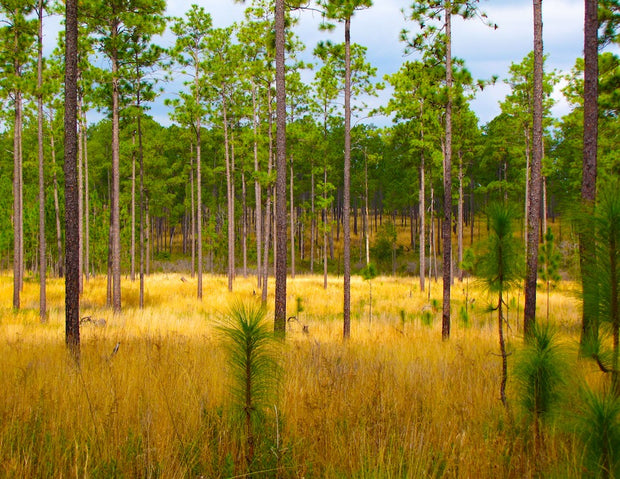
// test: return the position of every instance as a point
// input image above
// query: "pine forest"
(247, 248)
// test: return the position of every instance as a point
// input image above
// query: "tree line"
(246, 177)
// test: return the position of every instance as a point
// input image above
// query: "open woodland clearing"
(394, 401)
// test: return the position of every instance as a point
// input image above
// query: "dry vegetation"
(394, 402)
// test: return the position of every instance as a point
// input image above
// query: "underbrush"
(151, 397)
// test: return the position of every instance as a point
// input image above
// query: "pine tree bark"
(72, 293)
(115, 225)
(42, 245)
(589, 321)
(292, 206)
(446, 231)
(347, 182)
(533, 214)
(422, 201)
(281, 242)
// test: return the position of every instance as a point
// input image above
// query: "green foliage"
(385, 248)
(602, 270)
(369, 272)
(549, 260)
(599, 431)
(540, 373)
(500, 268)
(253, 365)
(469, 261)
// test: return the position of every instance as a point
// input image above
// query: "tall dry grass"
(393, 402)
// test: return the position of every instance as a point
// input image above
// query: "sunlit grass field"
(392, 402)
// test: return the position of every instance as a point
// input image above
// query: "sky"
(486, 51)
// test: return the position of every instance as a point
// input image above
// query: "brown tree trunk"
(459, 224)
(86, 213)
(115, 229)
(230, 196)
(422, 211)
(533, 216)
(198, 193)
(42, 248)
(244, 223)
(60, 263)
(447, 184)
(72, 293)
(347, 182)
(258, 214)
(589, 324)
(292, 200)
(281, 242)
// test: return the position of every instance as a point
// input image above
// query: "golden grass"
(395, 401)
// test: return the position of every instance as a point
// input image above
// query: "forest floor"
(152, 397)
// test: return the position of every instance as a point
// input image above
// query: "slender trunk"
(81, 135)
(367, 245)
(422, 210)
(42, 253)
(258, 214)
(193, 207)
(460, 218)
(244, 224)
(133, 209)
(533, 216)
(56, 202)
(198, 189)
(266, 228)
(325, 228)
(281, 242)
(544, 205)
(267, 224)
(347, 182)
(447, 184)
(589, 325)
(527, 184)
(292, 199)
(86, 213)
(72, 294)
(312, 219)
(141, 190)
(17, 213)
(502, 347)
(115, 208)
(230, 196)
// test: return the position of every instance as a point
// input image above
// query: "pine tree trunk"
(141, 201)
(193, 208)
(258, 214)
(60, 264)
(230, 196)
(17, 204)
(533, 216)
(281, 223)
(133, 209)
(72, 294)
(447, 184)
(42, 245)
(292, 200)
(244, 209)
(86, 213)
(115, 207)
(589, 324)
(347, 182)
(198, 193)
(422, 213)
(459, 226)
